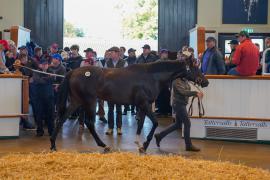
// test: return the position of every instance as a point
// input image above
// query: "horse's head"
(194, 74)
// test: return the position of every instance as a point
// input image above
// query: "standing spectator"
(89, 58)
(267, 56)
(90, 61)
(163, 99)
(53, 49)
(131, 59)
(164, 54)
(25, 61)
(45, 99)
(107, 56)
(57, 67)
(146, 56)
(115, 62)
(228, 61)
(246, 57)
(212, 60)
(75, 59)
(3, 67)
(10, 60)
(37, 54)
(23, 50)
(122, 52)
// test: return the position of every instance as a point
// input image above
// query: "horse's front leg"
(140, 122)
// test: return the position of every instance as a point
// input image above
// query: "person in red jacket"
(246, 57)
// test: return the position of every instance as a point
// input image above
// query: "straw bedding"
(122, 166)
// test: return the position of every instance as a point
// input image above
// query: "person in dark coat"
(212, 59)
(163, 99)
(45, 98)
(146, 56)
(229, 65)
(75, 59)
(57, 67)
(131, 59)
(115, 62)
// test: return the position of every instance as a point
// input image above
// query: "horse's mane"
(158, 66)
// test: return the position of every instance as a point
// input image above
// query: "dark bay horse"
(137, 84)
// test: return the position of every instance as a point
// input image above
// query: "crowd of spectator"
(244, 60)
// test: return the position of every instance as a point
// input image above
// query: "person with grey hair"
(212, 59)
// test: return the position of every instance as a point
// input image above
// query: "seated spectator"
(45, 98)
(228, 61)
(122, 52)
(267, 56)
(146, 56)
(212, 59)
(246, 57)
(75, 59)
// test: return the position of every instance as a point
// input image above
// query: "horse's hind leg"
(59, 123)
(151, 116)
(90, 123)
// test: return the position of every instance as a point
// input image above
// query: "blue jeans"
(233, 72)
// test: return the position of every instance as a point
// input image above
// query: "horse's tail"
(63, 96)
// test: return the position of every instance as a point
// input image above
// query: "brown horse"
(137, 84)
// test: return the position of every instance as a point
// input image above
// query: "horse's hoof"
(53, 149)
(145, 145)
(142, 150)
(107, 149)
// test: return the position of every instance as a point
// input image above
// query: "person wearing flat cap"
(146, 56)
(212, 60)
(246, 56)
(115, 62)
(228, 60)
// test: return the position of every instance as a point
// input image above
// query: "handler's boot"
(192, 148)
(109, 132)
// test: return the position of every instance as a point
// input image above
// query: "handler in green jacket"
(181, 93)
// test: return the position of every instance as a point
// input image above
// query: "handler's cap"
(57, 56)
(131, 50)
(234, 42)
(243, 33)
(89, 50)
(146, 46)
(114, 48)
